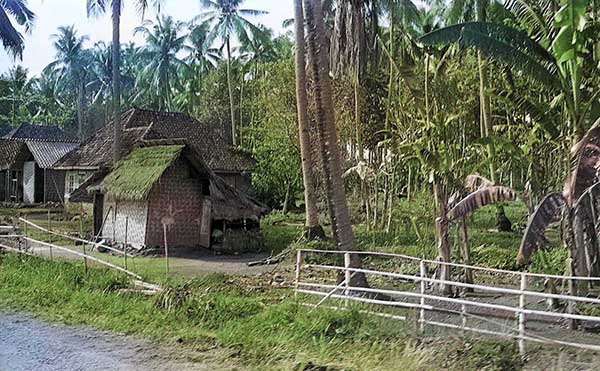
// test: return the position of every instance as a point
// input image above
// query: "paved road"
(30, 344)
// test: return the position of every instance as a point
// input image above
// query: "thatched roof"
(209, 140)
(134, 176)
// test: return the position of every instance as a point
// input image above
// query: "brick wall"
(176, 197)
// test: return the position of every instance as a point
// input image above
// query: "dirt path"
(190, 264)
(30, 344)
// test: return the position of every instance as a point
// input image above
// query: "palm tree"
(94, 8)
(329, 149)
(163, 42)
(12, 40)
(202, 58)
(312, 228)
(227, 20)
(71, 63)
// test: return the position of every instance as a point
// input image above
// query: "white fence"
(503, 294)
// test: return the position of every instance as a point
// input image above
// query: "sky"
(52, 14)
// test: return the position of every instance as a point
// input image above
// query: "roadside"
(28, 344)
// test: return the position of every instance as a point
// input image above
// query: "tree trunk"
(230, 88)
(80, 97)
(330, 152)
(443, 244)
(116, 77)
(466, 253)
(313, 229)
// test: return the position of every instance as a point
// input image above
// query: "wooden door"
(206, 222)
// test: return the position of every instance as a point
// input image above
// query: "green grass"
(263, 327)
(269, 329)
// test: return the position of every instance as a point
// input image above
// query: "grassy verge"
(261, 326)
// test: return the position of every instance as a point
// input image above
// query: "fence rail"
(422, 302)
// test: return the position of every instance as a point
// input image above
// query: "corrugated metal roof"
(47, 154)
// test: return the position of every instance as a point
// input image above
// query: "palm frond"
(504, 44)
(547, 212)
(482, 197)
(585, 164)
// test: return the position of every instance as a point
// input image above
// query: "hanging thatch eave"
(134, 177)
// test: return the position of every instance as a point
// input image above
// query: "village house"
(209, 140)
(27, 155)
(174, 172)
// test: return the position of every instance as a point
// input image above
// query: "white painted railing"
(424, 301)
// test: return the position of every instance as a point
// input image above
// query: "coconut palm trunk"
(116, 78)
(313, 229)
(230, 88)
(80, 108)
(330, 152)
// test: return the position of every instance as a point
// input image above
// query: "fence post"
(50, 235)
(299, 261)
(85, 266)
(166, 251)
(571, 304)
(347, 273)
(26, 235)
(125, 244)
(423, 270)
(463, 317)
(522, 314)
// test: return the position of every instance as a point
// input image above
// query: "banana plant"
(558, 66)
(578, 207)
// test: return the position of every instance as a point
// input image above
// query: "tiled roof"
(39, 133)
(47, 154)
(142, 125)
(12, 151)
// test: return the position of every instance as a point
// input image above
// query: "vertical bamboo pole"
(522, 314)
(26, 235)
(299, 261)
(463, 317)
(423, 270)
(347, 272)
(166, 251)
(125, 244)
(50, 235)
(85, 265)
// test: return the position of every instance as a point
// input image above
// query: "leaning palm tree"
(96, 7)
(328, 138)
(226, 20)
(71, 64)
(163, 42)
(312, 228)
(12, 40)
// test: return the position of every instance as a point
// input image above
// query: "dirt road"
(30, 344)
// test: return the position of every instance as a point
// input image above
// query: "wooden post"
(125, 244)
(522, 349)
(50, 236)
(571, 304)
(423, 270)
(85, 266)
(26, 235)
(299, 261)
(463, 317)
(166, 251)
(347, 273)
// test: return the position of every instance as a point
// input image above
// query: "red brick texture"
(177, 200)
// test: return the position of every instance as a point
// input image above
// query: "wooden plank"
(93, 258)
